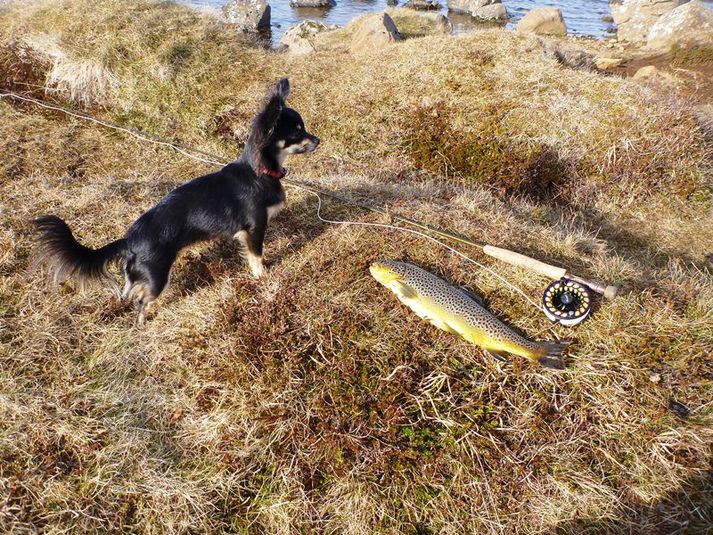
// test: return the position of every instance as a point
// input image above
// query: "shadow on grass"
(223, 257)
(636, 248)
(688, 510)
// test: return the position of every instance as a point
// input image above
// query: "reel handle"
(548, 270)
(609, 292)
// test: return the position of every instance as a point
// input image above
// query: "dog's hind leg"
(251, 241)
(149, 280)
(144, 300)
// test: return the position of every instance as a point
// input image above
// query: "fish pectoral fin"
(500, 356)
(471, 295)
(403, 290)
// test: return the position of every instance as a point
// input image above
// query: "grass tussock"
(691, 55)
(481, 157)
(311, 400)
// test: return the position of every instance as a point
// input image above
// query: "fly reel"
(567, 302)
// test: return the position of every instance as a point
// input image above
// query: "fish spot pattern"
(454, 301)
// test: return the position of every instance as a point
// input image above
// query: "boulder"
(467, 6)
(494, 11)
(300, 38)
(312, 3)
(423, 5)
(374, 31)
(249, 15)
(572, 58)
(482, 9)
(543, 21)
(459, 6)
(605, 63)
(443, 24)
(687, 26)
(650, 72)
(634, 18)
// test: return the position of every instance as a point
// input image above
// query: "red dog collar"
(274, 174)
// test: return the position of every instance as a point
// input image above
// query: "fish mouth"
(383, 273)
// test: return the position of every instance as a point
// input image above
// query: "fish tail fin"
(551, 355)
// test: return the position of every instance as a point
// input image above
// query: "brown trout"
(458, 312)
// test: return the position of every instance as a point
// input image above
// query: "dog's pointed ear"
(283, 88)
(275, 102)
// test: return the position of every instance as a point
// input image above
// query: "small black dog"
(235, 202)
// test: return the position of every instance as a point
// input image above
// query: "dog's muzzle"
(313, 142)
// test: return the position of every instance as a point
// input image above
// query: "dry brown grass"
(311, 401)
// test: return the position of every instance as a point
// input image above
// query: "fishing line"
(212, 159)
(426, 236)
(139, 134)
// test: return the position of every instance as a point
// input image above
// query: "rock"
(572, 58)
(543, 21)
(468, 6)
(646, 72)
(650, 72)
(249, 15)
(607, 18)
(482, 9)
(373, 32)
(604, 63)
(443, 24)
(300, 38)
(392, 2)
(679, 409)
(495, 11)
(634, 18)
(312, 3)
(423, 5)
(459, 6)
(687, 26)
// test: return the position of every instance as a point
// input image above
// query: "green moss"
(480, 153)
(684, 55)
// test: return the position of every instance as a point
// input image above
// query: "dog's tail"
(67, 257)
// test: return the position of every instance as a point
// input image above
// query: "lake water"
(583, 17)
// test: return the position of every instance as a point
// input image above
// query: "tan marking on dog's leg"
(144, 300)
(143, 312)
(128, 285)
(254, 261)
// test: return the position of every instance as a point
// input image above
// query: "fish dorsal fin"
(402, 290)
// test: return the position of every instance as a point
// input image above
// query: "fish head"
(385, 271)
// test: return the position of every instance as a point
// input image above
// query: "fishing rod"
(567, 300)
(504, 255)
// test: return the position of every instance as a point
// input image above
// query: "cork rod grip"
(517, 259)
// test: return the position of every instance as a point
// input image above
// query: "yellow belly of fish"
(452, 323)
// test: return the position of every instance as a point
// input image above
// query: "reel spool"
(567, 302)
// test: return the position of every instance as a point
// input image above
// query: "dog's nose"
(316, 140)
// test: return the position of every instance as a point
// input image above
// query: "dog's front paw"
(256, 267)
